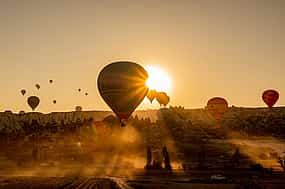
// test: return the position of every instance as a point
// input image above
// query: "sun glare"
(158, 79)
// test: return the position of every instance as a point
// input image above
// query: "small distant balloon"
(270, 97)
(217, 107)
(86, 94)
(21, 112)
(23, 92)
(78, 108)
(33, 102)
(54, 101)
(79, 90)
(50, 81)
(38, 86)
(151, 95)
(162, 98)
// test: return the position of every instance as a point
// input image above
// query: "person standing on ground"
(166, 159)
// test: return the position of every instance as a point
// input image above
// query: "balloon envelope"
(50, 81)
(22, 112)
(270, 97)
(33, 102)
(38, 86)
(217, 106)
(86, 94)
(151, 95)
(78, 108)
(54, 101)
(122, 86)
(162, 98)
(79, 90)
(23, 92)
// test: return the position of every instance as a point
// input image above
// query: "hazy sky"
(229, 48)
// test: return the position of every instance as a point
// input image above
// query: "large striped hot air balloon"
(122, 86)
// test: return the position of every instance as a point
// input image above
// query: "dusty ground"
(56, 182)
(196, 180)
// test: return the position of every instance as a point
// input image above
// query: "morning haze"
(233, 49)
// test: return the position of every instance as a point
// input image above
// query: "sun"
(158, 79)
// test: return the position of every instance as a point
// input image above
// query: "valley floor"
(202, 179)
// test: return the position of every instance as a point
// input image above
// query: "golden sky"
(234, 49)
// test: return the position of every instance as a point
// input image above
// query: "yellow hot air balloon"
(151, 95)
(162, 98)
(33, 102)
(122, 86)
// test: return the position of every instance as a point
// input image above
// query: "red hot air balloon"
(217, 107)
(122, 86)
(270, 97)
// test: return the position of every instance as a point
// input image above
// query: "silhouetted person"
(156, 164)
(157, 160)
(166, 159)
(148, 158)
(236, 158)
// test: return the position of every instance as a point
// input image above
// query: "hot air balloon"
(86, 94)
(33, 102)
(78, 108)
(217, 106)
(270, 97)
(122, 87)
(21, 112)
(50, 81)
(79, 90)
(54, 101)
(38, 86)
(151, 95)
(162, 98)
(23, 92)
